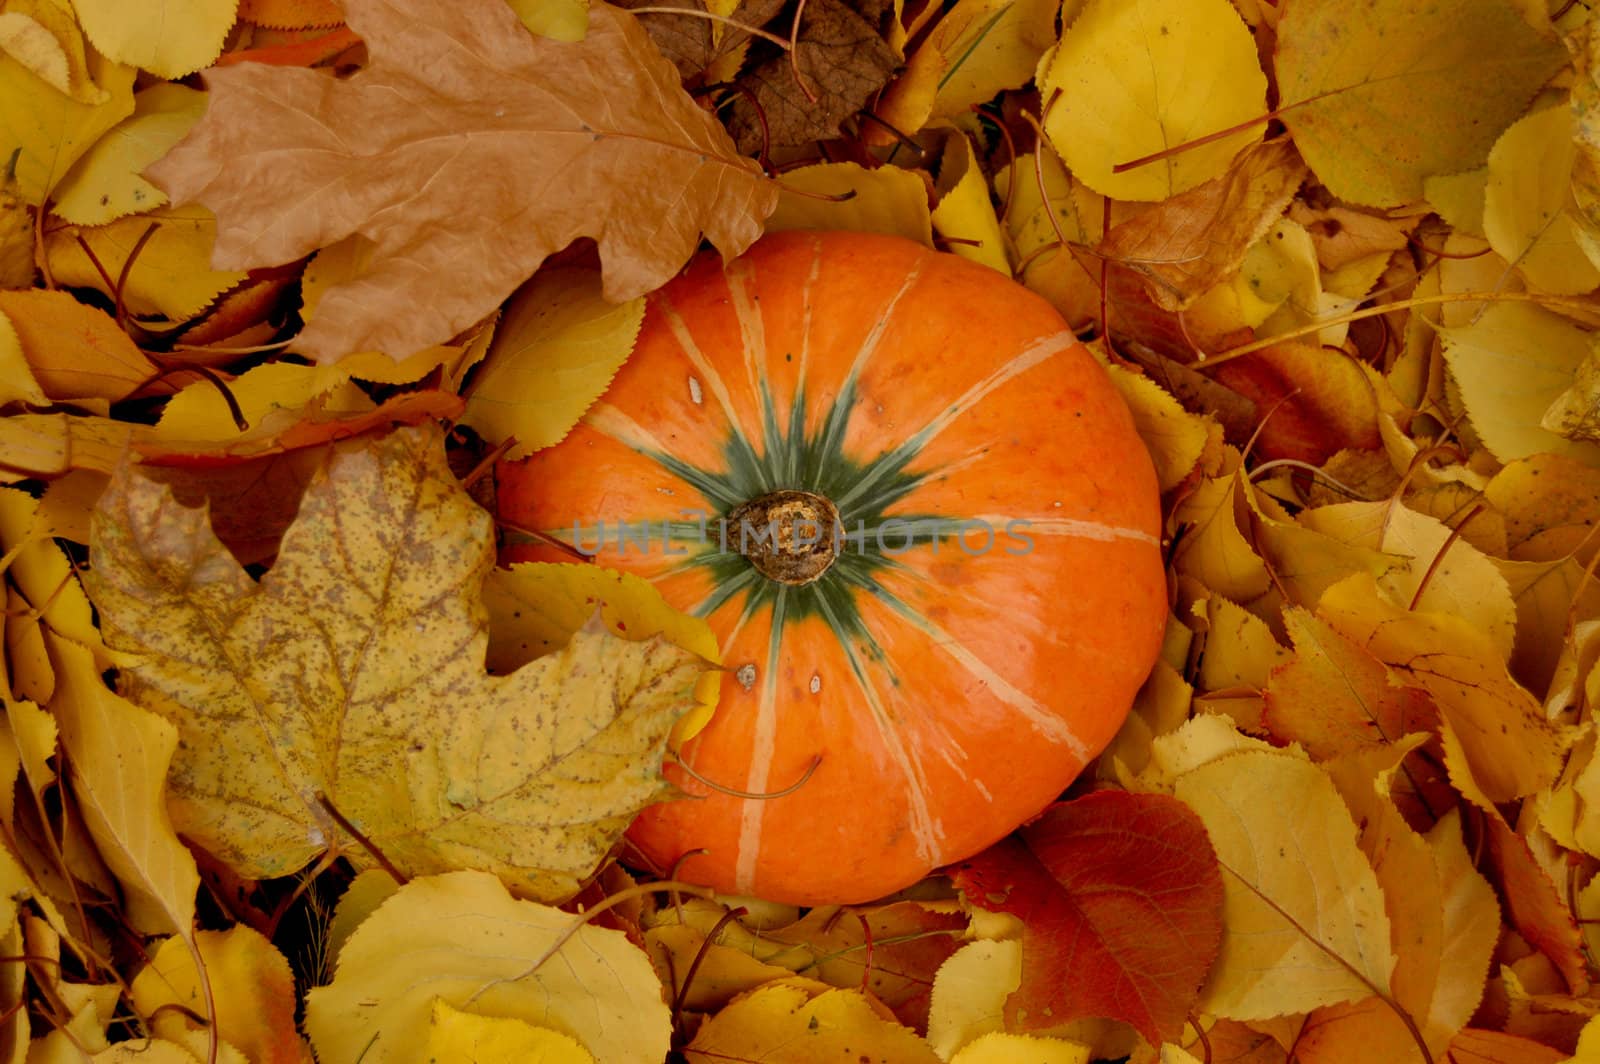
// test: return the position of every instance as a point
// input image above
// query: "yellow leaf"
(969, 993)
(118, 755)
(250, 985)
(50, 129)
(1047, 206)
(1509, 746)
(169, 38)
(17, 382)
(999, 1047)
(1304, 921)
(724, 970)
(1511, 364)
(1174, 437)
(380, 707)
(1380, 97)
(105, 184)
(269, 395)
(554, 353)
(361, 899)
(75, 351)
(785, 1023)
(965, 215)
(537, 607)
(38, 570)
(1464, 582)
(1525, 212)
(1458, 198)
(886, 200)
(51, 445)
(33, 45)
(457, 1035)
(1240, 650)
(1129, 73)
(476, 944)
(1212, 549)
(1549, 504)
(977, 49)
(1575, 413)
(171, 278)
(560, 20)
(1546, 594)
(191, 1049)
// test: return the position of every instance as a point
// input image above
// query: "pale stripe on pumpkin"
(1072, 528)
(763, 744)
(1041, 351)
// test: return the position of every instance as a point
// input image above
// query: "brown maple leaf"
(467, 152)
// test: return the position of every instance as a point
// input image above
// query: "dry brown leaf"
(1183, 246)
(468, 151)
(842, 61)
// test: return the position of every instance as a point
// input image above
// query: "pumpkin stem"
(789, 536)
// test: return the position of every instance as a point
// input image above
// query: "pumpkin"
(917, 516)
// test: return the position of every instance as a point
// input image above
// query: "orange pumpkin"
(916, 514)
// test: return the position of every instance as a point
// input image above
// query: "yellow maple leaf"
(461, 939)
(347, 690)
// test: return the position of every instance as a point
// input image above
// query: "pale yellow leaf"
(48, 129)
(887, 200)
(553, 354)
(476, 947)
(1000, 1047)
(1464, 582)
(171, 278)
(965, 216)
(970, 991)
(1575, 413)
(106, 184)
(169, 38)
(367, 891)
(457, 1035)
(789, 1022)
(1525, 213)
(1379, 97)
(31, 43)
(1304, 919)
(1141, 76)
(1511, 364)
(119, 755)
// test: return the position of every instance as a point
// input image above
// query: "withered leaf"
(693, 43)
(467, 152)
(842, 61)
(348, 686)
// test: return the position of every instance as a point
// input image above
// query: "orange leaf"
(1474, 1046)
(1314, 401)
(1121, 901)
(1535, 905)
(75, 351)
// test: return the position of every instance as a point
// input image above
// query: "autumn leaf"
(329, 676)
(462, 939)
(799, 1021)
(1117, 104)
(841, 60)
(1121, 905)
(1382, 97)
(548, 158)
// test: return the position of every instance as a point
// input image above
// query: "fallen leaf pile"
(295, 772)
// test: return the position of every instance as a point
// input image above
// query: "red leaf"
(1121, 901)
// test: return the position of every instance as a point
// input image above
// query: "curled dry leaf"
(329, 678)
(475, 127)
